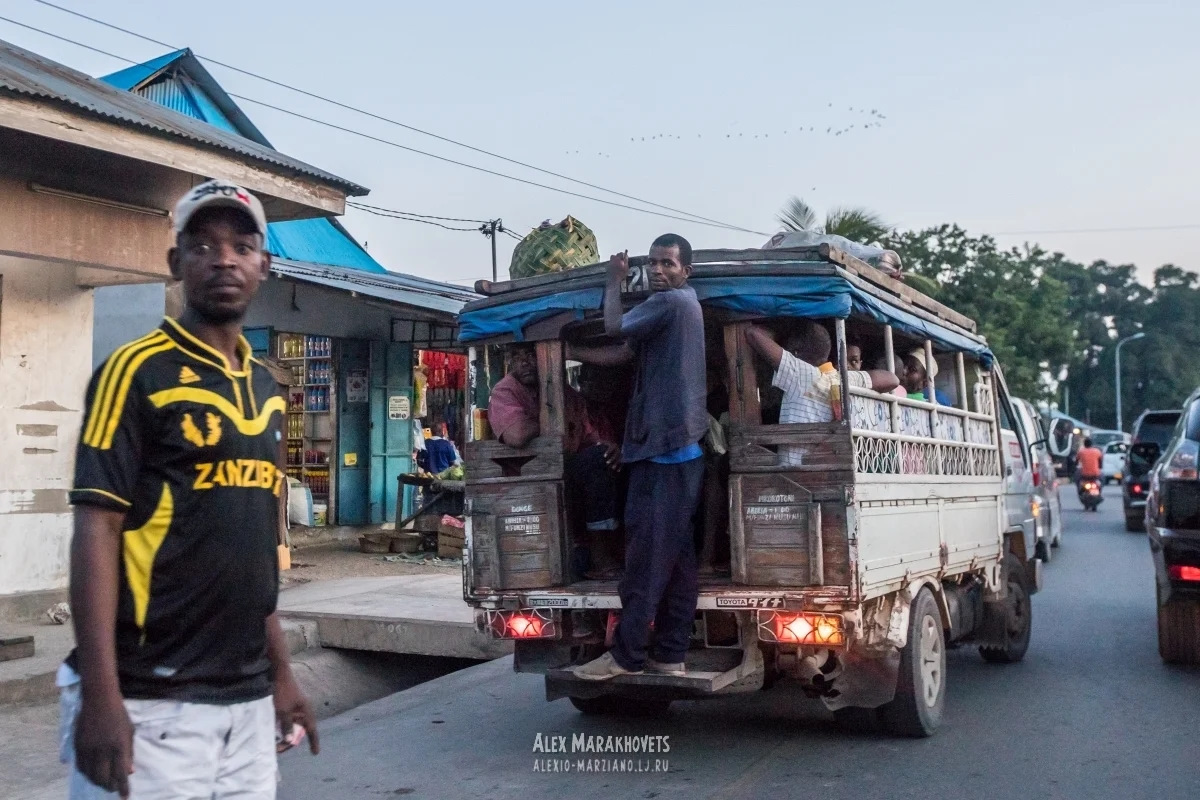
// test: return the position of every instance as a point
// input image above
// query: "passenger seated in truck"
(917, 377)
(804, 374)
(591, 464)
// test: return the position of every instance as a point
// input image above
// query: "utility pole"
(489, 229)
(1120, 419)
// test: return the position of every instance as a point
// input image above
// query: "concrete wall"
(45, 363)
(124, 313)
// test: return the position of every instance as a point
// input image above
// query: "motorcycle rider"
(1088, 465)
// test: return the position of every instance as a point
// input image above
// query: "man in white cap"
(917, 376)
(180, 680)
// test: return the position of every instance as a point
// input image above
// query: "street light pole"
(1120, 419)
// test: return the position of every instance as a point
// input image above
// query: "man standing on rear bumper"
(666, 421)
(174, 571)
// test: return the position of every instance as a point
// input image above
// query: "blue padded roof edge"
(814, 298)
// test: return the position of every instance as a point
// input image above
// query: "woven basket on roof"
(554, 248)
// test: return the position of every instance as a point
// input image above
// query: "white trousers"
(186, 751)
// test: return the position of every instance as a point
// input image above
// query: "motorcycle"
(1090, 494)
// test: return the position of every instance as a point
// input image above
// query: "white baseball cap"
(219, 193)
(919, 355)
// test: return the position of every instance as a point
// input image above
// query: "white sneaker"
(602, 668)
(659, 668)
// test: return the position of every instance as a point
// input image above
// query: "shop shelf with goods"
(439, 382)
(311, 409)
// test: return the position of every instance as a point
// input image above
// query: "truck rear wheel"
(612, 705)
(1018, 617)
(1179, 631)
(921, 685)
(1135, 524)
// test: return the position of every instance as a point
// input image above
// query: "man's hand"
(612, 455)
(291, 708)
(618, 267)
(104, 744)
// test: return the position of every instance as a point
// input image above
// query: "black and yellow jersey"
(188, 448)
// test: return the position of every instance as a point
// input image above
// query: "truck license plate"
(549, 602)
(749, 602)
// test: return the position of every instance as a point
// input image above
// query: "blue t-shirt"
(684, 454)
(667, 409)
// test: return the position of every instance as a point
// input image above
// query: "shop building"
(347, 330)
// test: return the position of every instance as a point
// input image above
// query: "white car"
(1036, 487)
(1113, 466)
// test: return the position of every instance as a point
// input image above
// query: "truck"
(907, 530)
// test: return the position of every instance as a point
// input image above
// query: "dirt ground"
(344, 560)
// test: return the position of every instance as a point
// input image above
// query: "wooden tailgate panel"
(516, 531)
(788, 525)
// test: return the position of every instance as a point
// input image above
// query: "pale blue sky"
(1022, 116)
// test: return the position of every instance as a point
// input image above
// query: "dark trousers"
(660, 582)
(593, 485)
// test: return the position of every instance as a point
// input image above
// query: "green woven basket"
(554, 248)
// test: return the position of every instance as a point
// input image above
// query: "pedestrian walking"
(180, 680)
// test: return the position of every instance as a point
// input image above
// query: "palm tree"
(856, 224)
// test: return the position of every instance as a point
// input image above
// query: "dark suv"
(1173, 522)
(1151, 432)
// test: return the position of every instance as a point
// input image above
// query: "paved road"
(1091, 713)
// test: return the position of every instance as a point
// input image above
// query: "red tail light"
(1178, 572)
(1136, 488)
(528, 623)
(795, 627)
(1037, 479)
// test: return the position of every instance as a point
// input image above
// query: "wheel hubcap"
(1016, 611)
(931, 659)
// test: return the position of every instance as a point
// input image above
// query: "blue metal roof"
(402, 289)
(179, 81)
(30, 75)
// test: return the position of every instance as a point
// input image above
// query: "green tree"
(856, 224)
(1009, 293)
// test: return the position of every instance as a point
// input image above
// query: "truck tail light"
(801, 627)
(1037, 478)
(1179, 572)
(527, 623)
(1136, 488)
(1183, 463)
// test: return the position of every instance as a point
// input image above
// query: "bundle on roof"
(554, 248)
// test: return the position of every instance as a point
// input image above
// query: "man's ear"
(266, 265)
(174, 263)
(687, 270)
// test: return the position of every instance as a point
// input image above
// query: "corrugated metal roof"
(320, 241)
(30, 75)
(407, 290)
(179, 81)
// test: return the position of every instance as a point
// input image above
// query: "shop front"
(360, 399)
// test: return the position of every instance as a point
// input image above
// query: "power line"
(397, 122)
(397, 145)
(380, 213)
(1129, 229)
(369, 207)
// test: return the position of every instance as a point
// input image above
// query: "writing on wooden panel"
(517, 535)
(785, 533)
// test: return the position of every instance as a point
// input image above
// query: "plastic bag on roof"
(887, 261)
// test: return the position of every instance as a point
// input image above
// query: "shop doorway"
(354, 433)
